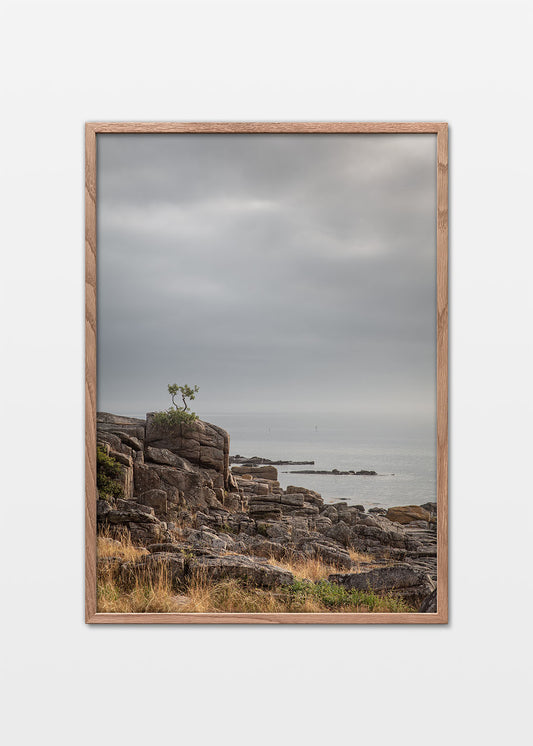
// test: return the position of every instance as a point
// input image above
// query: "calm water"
(402, 452)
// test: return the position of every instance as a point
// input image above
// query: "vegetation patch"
(175, 415)
(108, 472)
(171, 418)
(334, 597)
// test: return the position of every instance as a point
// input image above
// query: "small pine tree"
(175, 415)
(186, 392)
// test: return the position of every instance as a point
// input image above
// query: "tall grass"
(118, 545)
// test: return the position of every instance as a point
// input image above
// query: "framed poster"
(266, 372)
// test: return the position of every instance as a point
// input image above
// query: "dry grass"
(120, 546)
(148, 593)
(152, 596)
(315, 570)
(145, 594)
(308, 569)
(230, 596)
(362, 561)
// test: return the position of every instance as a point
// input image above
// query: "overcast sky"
(277, 272)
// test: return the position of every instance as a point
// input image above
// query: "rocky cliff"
(187, 468)
(184, 504)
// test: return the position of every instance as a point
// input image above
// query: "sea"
(401, 450)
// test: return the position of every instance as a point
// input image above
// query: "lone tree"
(185, 391)
(175, 414)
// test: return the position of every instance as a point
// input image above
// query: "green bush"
(171, 418)
(108, 471)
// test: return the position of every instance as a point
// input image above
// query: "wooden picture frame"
(92, 130)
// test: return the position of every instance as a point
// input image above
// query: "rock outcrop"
(199, 442)
(170, 471)
(194, 514)
(409, 513)
(259, 461)
(410, 585)
(429, 604)
(180, 567)
(265, 471)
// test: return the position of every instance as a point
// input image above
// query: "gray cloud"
(275, 271)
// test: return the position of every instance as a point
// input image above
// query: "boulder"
(429, 604)
(137, 520)
(333, 555)
(367, 520)
(430, 507)
(312, 497)
(384, 536)
(131, 441)
(325, 550)
(268, 498)
(110, 440)
(103, 507)
(293, 499)
(308, 511)
(167, 546)
(199, 442)
(131, 505)
(266, 472)
(156, 499)
(243, 568)
(349, 514)
(408, 513)
(115, 423)
(275, 530)
(402, 581)
(204, 538)
(342, 533)
(166, 458)
(154, 567)
(264, 510)
(121, 458)
(184, 485)
(323, 523)
(330, 512)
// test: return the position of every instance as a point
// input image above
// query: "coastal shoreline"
(195, 511)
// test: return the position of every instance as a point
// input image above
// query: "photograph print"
(266, 373)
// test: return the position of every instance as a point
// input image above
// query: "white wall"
(64, 63)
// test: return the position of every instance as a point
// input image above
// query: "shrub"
(108, 472)
(170, 418)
